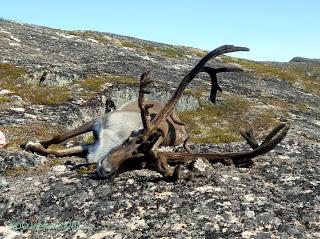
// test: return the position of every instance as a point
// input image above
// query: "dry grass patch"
(95, 83)
(17, 135)
(221, 123)
(19, 171)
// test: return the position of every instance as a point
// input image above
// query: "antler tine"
(186, 146)
(236, 157)
(248, 136)
(273, 133)
(163, 114)
(212, 72)
(269, 145)
(145, 80)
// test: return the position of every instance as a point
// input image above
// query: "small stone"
(3, 183)
(200, 166)
(30, 116)
(7, 232)
(18, 109)
(5, 92)
(316, 234)
(249, 198)
(59, 169)
(249, 213)
(130, 181)
(80, 235)
(263, 235)
(247, 234)
(2, 140)
(16, 98)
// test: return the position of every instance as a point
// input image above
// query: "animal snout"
(105, 168)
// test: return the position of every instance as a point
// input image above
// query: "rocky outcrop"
(305, 60)
(45, 197)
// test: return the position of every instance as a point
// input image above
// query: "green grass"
(12, 78)
(221, 123)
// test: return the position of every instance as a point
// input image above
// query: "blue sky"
(273, 29)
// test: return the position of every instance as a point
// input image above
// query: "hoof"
(33, 147)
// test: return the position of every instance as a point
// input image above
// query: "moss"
(87, 169)
(18, 170)
(164, 51)
(89, 138)
(221, 123)
(93, 83)
(12, 78)
(284, 105)
(46, 95)
(15, 171)
(312, 85)
(8, 71)
(5, 99)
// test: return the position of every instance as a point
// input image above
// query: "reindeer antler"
(212, 72)
(165, 112)
(145, 80)
(237, 158)
(155, 130)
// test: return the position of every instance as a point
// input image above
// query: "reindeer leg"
(73, 151)
(85, 128)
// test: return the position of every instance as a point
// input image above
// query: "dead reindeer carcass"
(134, 133)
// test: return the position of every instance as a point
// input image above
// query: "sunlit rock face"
(89, 73)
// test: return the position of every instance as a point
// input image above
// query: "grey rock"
(218, 202)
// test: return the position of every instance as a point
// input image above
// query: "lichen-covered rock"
(46, 197)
